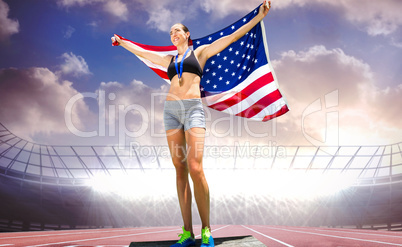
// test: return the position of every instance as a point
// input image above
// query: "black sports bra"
(190, 64)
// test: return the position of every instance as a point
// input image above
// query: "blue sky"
(347, 52)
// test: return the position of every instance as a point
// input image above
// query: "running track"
(269, 235)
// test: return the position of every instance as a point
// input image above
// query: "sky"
(338, 63)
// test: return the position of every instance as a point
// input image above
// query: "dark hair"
(185, 29)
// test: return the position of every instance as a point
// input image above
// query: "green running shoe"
(207, 240)
(185, 240)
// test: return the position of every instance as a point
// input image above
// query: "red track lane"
(305, 236)
(269, 235)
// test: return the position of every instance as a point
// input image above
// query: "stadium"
(82, 187)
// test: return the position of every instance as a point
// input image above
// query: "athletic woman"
(184, 118)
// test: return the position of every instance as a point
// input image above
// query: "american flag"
(239, 80)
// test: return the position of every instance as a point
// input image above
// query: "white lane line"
(91, 239)
(274, 239)
(352, 231)
(75, 232)
(212, 231)
(361, 233)
(333, 236)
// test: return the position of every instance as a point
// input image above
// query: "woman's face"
(178, 35)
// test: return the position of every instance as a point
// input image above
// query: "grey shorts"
(187, 114)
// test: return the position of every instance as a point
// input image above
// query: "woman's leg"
(177, 146)
(195, 149)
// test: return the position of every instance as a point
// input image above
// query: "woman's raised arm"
(214, 48)
(151, 56)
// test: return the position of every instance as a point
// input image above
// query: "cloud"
(163, 14)
(69, 32)
(8, 27)
(74, 65)
(69, 3)
(33, 102)
(374, 17)
(377, 18)
(115, 8)
(161, 19)
(36, 101)
(225, 7)
(93, 24)
(322, 70)
(386, 105)
(368, 114)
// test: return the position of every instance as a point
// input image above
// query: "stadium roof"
(73, 165)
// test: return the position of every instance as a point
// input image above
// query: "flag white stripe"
(252, 99)
(270, 109)
(152, 65)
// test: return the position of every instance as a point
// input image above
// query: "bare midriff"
(190, 88)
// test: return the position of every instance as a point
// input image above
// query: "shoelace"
(182, 238)
(205, 237)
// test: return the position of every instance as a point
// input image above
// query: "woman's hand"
(116, 40)
(264, 8)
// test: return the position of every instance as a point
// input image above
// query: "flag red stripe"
(247, 91)
(260, 105)
(281, 111)
(161, 73)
